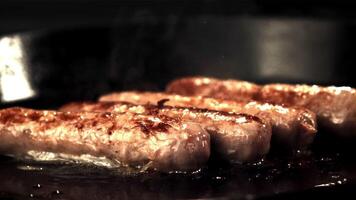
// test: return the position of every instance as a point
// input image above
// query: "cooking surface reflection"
(40, 180)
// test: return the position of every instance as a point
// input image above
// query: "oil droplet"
(30, 168)
(197, 171)
(31, 195)
(57, 192)
(37, 186)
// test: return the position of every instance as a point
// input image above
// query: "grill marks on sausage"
(190, 104)
(148, 126)
(155, 110)
(81, 121)
(131, 143)
(237, 137)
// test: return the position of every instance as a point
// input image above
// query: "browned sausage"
(235, 137)
(292, 128)
(153, 141)
(335, 106)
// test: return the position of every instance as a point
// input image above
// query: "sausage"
(235, 137)
(293, 128)
(335, 107)
(211, 87)
(154, 142)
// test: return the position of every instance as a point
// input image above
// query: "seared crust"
(211, 87)
(236, 137)
(293, 128)
(159, 142)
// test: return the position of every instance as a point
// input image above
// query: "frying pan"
(71, 51)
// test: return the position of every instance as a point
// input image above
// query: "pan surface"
(144, 51)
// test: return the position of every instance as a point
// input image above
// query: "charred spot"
(162, 127)
(79, 126)
(112, 128)
(201, 110)
(148, 126)
(161, 102)
(34, 116)
(94, 123)
(167, 119)
(143, 128)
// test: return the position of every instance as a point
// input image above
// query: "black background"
(80, 49)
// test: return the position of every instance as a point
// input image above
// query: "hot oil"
(24, 179)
